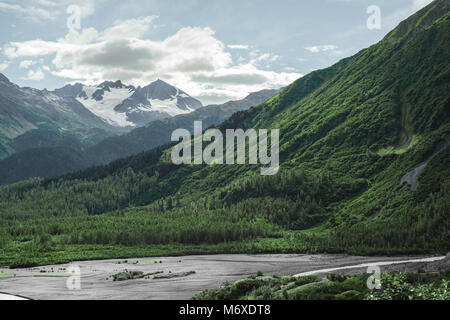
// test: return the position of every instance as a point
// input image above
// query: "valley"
(49, 282)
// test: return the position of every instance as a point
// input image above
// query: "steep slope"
(159, 100)
(27, 111)
(338, 188)
(159, 132)
(101, 100)
(55, 154)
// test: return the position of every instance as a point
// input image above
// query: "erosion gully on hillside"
(183, 277)
(412, 177)
(406, 133)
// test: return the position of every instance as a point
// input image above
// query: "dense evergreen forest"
(343, 154)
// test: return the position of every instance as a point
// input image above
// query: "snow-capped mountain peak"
(126, 106)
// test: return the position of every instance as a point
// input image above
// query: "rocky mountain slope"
(30, 118)
(128, 107)
(56, 154)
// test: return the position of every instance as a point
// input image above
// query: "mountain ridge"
(51, 153)
(23, 110)
(129, 107)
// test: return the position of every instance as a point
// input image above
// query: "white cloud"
(264, 59)
(39, 10)
(3, 66)
(238, 47)
(123, 28)
(25, 64)
(265, 56)
(290, 69)
(36, 75)
(322, 48)
(192, 59)
(30, 11)
(32, 48)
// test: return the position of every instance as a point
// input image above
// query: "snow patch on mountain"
(126, 106)
(104, 108)
(169, 106)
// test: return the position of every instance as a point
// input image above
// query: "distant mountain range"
(159, 132)
(44, 134)
(79, 114)
(35, 118)
(126, 106)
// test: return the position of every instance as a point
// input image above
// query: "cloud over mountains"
(192, 58)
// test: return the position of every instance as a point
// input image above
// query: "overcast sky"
(215, 50)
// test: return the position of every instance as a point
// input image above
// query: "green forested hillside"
(30, 118)
(349, 133)
(397, 286)
(49, 153)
